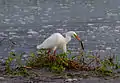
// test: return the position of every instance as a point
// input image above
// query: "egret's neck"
(67, 38)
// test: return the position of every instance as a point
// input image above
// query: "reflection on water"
(29, 22)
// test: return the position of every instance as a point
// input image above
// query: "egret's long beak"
(82, 45)
(76, 36)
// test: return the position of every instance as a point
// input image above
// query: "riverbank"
(41, 68)
(46, 76)
(42, 76)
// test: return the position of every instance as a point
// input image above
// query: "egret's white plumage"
(56, 40)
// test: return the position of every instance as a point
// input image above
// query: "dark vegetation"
(61, 63)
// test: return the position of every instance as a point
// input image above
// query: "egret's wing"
(51, 41)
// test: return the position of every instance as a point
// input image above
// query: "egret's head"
(76, 36)
(72, 33)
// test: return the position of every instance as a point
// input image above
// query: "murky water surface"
(28, 22)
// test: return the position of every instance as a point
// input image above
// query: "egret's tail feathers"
(39, 46)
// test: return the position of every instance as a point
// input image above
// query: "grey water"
(28, 22)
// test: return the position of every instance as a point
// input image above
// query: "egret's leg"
(49, 50)
(64, 49)
(54, 52)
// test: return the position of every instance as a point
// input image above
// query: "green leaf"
(32, 54)
(73, 57)
(91, 56)
(69, 52)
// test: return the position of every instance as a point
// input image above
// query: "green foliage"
(36, 61)
(60, 62)
(106, 65)
(54, 63)
(8, 62)
(15, 60)
(117, 64)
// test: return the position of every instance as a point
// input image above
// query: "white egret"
(56, 40)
